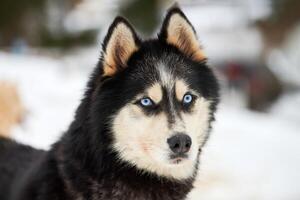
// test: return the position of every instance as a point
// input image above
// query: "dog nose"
(180, 143)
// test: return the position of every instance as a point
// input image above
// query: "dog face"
(161, 94)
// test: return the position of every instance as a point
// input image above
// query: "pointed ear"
(178, 31)
(119, 44)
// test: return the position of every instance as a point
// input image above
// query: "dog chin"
(179, 168)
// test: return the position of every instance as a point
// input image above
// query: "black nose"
(180, 143)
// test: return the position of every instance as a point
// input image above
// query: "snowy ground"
(249, 156)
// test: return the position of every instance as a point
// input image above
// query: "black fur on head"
(87, 146)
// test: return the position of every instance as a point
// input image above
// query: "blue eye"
(146, 102)
(187, 99)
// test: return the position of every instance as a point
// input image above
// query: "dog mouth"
(178, 158)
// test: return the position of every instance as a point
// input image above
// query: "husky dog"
(138, 131)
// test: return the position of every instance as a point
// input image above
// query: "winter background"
(49, 47)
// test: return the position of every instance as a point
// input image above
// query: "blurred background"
(49, 47)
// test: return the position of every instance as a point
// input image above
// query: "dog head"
(159, 96)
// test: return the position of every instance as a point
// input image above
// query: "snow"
(249, 155)
(214, 25)
(50, 94)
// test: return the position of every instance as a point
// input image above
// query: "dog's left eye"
(187, 99)
(146, 102)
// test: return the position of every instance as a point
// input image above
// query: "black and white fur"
(116, 148)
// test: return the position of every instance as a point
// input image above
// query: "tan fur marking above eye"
(155, 92)
(181, 34)
(180, 89)
(120, 47)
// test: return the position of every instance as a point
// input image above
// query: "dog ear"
(119, 44)
(178, 31)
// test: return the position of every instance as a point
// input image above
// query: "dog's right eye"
(146, 102)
